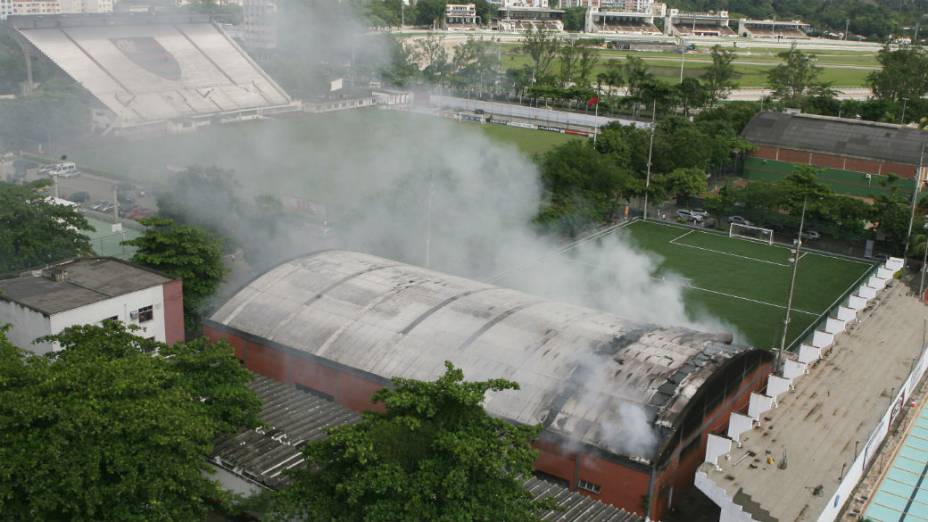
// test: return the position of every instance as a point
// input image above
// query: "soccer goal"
(751, 233)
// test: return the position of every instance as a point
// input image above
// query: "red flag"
(592, 101)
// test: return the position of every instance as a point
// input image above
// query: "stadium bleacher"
(144, 71)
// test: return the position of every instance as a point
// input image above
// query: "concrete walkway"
(794, 462)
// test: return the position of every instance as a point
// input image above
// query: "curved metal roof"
(588, 376)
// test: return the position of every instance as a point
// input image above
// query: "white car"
(738, 220)
(811, 234)
(689, 215)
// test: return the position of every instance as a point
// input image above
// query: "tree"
(34, 231)
(586, 62)
(430, 12)
(685, 182)
(904, 75)
(116, 427)
(720, 78)
(432, 56)
(575, 19)
(186, 252)
(476, 66)
(434, 454)
(542, 47)
(797, 78)
(691, 93)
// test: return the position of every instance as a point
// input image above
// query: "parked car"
(700, 212)
(738, 220)
(689, 215)
(67, 169)
(811, 234)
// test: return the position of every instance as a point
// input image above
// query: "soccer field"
(746, 283)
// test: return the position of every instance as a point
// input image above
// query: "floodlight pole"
(647, 179)
(428, 226)
(792, 284)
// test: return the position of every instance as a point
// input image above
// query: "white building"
(88, 291)
(461, 14)
(53, 7)
(259, 24)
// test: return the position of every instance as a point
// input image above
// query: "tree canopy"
(904, 74)
(116, 427)
(433, 454)
(34, 231)
(797, 78)
(182, 251)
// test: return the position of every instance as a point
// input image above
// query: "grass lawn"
(529, 141)
(746, 283)
(244, 146)
(841, 69)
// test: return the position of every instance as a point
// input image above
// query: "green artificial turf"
(746, 283)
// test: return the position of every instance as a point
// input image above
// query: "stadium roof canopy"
(151, 68)
(578, 368)
(291, 418)
(839, 136)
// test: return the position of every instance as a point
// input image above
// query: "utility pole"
(428, 224)
(115, 204)
(905, 102)
(596, 122)
(847, 27)
(792, 285)
(683, 50)
(918, 184)
(647, 182)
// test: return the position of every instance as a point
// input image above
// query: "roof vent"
(57, 274)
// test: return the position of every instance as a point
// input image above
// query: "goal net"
(751, 233)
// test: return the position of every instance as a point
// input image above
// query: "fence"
(841, 181)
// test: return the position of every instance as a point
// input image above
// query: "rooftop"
(293, 417)
(841, 136)
(582, 372)
(76, 283)
(822, 425)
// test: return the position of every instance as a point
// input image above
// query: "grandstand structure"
(797, 29)
(516, 19)
(625, 17)
(697, 24)
(155, 74)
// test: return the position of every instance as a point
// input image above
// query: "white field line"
(681, 236)
(732, 296)
(855, 283)
(722, 252)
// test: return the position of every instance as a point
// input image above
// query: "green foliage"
(34, 231)
(575, 19)
(434, 454)
(107, 431)
(475, 66)
(685, 182)
(904, 74)
(720, 78)
(797, 78)
(430, 12)
(542, 47)
(185, 252)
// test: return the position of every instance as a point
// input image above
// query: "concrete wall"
(173, 298)
(121, 307)
(26, 325)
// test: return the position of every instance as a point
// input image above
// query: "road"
(99, 188)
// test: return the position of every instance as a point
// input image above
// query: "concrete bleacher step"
(752, 508)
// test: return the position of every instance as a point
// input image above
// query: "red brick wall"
(835, 161)
(679, 474)
(622, 485)
(795, 156)
(765, 153)
(173, 311)
(827, 161)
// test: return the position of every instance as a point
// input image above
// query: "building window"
(145, 314)
(114, 318)
(589, 486)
